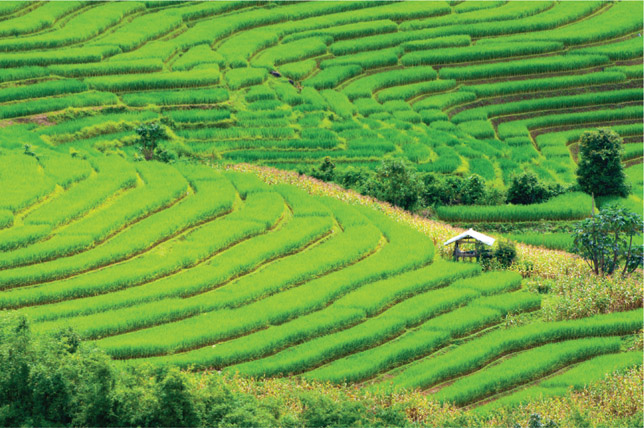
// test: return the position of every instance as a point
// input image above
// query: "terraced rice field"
(198, 267)
(186, 265)
(491, 88)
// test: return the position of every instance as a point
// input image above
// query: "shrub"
(149, 137)
(396, 183)
(473, 190)
(527, 189)
(605, 241)
(326, 170)
(600, 169)
(505, 253)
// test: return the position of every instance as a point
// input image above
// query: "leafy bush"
(149, 138)
(396, 183)
(600, 169)
(526, 189)
(605, 241)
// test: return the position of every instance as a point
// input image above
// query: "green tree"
(473, 190)
(395, 182)
(326, 170)
(176, 406)
(526, 189)
(600, 170)
(605, 241)
(149, 143)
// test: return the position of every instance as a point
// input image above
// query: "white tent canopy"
(471, 233)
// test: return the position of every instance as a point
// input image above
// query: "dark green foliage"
(51, 380)
(527, 189)
(395, 182)
(176, 406)
(326, 170)
(352, 177)
(505, 253)
(321, 411)
(605, 241)
(600, 169)
(57, 380)
(149, 143)
(473, 190)
(454, 190)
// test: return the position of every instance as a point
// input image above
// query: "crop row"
(174, 79)
(118, 312)
(429, 336)
(404, 251)
(337, 316)
(524, 367)
(135, 239)
(521, 127)
(571, 206)
(84, 99)
(551, 103)
(39, 19)
(544, 84)
(190, 96)
(80, 28)
(390, 323)
(164, 187)
(478, 352)
(365, 86)
(579, 376)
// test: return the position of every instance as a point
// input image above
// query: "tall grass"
(78, 29)
(550, 103)
(298, 70)
(45, 105)
(22, 73)
(44, 89)
(406, 92)
(289, 52)
(444, 101)
(545, 84)
(332, 76)
(191, 96)
(477, 53)
(339, 103)
(197, 55)
(365, 86)
(521, 127)
(524, 367)
(347, 31)
(105, 68)
(6, 218)
(309, 296)
(67, 56)
(366, 60)
(549, 64)
(478, 352)
(140, 236)
(242, 77)
(140, 30)
(175, 79)
(570, 206)
(20, 236)
(38, 19)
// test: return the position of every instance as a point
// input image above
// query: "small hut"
(469, 238)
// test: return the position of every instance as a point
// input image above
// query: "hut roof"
(471, 233)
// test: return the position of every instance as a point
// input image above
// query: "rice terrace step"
(233, 213)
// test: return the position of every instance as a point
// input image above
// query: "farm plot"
(499, 72)
(292, 284)
(191, 266)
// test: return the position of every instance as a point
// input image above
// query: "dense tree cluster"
(397, 182)
(57, 380)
